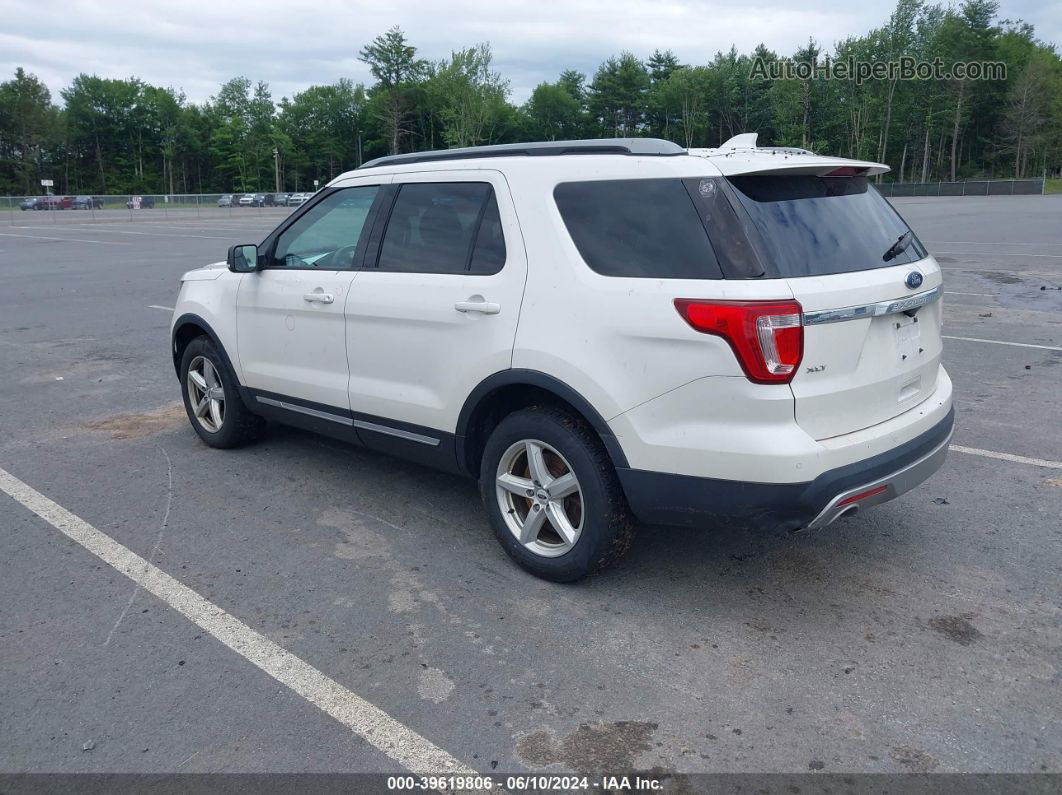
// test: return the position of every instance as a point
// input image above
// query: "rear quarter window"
(644, 228)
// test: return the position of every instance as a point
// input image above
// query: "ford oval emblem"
(913, 280)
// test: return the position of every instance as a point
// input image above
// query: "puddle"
(956, 628)
(1018, 292)
(592, 749)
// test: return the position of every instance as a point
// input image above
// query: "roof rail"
(593, 146)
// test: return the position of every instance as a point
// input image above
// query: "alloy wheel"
(206, 394)
(540, 498)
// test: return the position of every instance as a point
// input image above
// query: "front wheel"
(212, 399)
(552, 494)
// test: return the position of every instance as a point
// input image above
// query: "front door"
(290, 323)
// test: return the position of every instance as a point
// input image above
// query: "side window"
(326, 236)
(433, 226)
(488, 255)
(645, 228)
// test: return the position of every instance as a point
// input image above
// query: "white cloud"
(196, 45)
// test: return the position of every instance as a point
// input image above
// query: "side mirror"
(243, 258)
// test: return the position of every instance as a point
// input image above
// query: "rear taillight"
(767, 336)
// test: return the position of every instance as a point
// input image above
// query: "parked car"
(140, 202)
(597, 331)
(29, 203)
(280, 199)
(247, 200)
(298, 199)
(87, 203)
(262, 200)
(54, 203)
(226, 200)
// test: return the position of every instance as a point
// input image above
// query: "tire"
(224, 426)
(566, 535)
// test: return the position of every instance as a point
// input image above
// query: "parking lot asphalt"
(923, 635)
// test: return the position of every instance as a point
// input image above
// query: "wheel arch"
(511, 390)
(186, 328)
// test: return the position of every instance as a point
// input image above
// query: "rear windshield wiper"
(897, 248)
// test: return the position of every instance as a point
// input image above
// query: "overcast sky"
(195, 45)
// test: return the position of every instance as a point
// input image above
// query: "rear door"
(872, 343)
(435, 309)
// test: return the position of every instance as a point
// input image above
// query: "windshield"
(812, 226)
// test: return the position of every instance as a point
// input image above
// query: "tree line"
(125, 136)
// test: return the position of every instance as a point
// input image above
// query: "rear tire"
(212, 398)
(554, 501)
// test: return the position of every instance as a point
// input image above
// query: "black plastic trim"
(668, 499)
(522, 377)
(437, 453)
(192, 319)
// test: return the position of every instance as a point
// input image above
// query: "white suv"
(597, 331)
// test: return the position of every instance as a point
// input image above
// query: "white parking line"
(157, 306)
(983, 295)
(372, 724)
(67, 239)
(1002, 342)
(979, 243)
(1017, 459)
(99, 228)
(1004, 254)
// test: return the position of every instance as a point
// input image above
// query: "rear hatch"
(872, 312)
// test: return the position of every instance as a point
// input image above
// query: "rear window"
(647, 228)
(813, 226)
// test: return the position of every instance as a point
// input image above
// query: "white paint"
(1002, 342)
(978, 243)
(1017, 459)
(99, 228)
(372, 724)
(67, 239)
(157, 306)
(983, 295)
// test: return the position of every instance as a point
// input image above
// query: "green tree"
(27, 121)
(619, 94)
(394, 64)
(553, 113)
(468, 95)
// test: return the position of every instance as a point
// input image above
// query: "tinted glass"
(811, 226)
(488, 256)
(431, 227)
(327, 235)
(647, 228)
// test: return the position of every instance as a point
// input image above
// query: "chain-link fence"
(973, 187)
(145, 207)
(16, 210)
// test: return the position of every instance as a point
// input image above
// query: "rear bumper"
(663, 498)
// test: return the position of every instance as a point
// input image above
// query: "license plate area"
(908, 337)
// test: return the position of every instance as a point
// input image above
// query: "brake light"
(766, 336)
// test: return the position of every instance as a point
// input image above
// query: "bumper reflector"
(863, 495)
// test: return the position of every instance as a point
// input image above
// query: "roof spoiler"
(741, 155)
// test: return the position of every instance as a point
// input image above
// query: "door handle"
(319, 298)
(477, 304)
